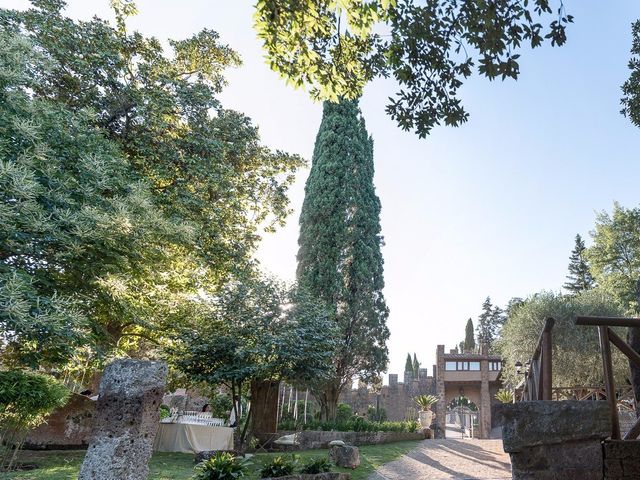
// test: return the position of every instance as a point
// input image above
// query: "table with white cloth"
(192, 438)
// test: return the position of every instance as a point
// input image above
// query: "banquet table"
(192, 438)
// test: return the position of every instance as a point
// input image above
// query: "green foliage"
(504, 396)
(416, 367)
(339, 259)
(579, 277)
(576, 361)
(278, 467)
(222, 466)
(220, 404)
(165, 411)
(425, 402)
(469, 337)
(631, 88)
(463, 401)
(316, 465)
(353, 424)
(490, 323)
(343, 412)
(376, 414)
(408, 366)
(614, 255)
(334, 49)
(26, 398)
(126, 185)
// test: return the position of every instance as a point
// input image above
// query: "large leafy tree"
(73, 217)
(579, 277)
(339, 259)
(576, 361)
(253, 332)
(202, 165)
(429, 47)
(631, 88)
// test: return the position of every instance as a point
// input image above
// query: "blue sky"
(490, 208)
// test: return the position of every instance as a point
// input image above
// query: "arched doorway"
(462, 418)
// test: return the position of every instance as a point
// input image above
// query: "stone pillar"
(393, 381)
(485, 400)
(441, 406)
(126, 423)
(555, 440)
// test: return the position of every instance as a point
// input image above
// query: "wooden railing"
(607, 337)
(538, 379)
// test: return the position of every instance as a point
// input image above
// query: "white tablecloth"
(188, 438)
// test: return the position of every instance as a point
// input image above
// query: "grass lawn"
(64, 465)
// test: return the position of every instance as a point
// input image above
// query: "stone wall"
(555, 440)
(311, 439)
(397, 398)
(66, 428)
(621, 459)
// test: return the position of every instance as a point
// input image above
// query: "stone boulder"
(126, 422)
(345, 456)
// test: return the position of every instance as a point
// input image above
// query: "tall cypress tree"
(339, 258)
(408, 366)
(579, 277)
(416, 367)
(469, 337)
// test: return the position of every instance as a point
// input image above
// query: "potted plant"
(425, 415)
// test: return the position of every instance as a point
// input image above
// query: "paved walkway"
(449, 459)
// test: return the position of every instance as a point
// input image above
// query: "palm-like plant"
(504, 396)
(425, 401)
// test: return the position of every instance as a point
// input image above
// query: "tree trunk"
(329, 402)
(264, 404)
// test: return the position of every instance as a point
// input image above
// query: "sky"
(487, 209)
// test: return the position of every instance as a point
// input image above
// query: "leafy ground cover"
(65, 465)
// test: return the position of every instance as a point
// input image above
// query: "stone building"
(473, 375)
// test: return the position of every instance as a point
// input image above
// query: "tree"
(253, 332)
(194, 166)
(408, 366)
(490, 322)
(631, 88)
(576, 360)
(416, 367)
(339, 257)
(430, 48)
(469, 337)
(579, 277)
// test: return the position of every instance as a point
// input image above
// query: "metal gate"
(464, 420)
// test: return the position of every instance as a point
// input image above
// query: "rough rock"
(316, 476)
(621, 459)
(126, 422)
(346, 456)
(528, 424)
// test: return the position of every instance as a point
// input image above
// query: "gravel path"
(449, 459)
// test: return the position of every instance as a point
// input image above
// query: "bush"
(343, 412)
(165, 411)
(26, 398)
(353, 424)
(222, 466)
(278, 467)
(317, 465)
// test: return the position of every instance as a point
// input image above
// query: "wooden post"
(547, 379)
(609, 383)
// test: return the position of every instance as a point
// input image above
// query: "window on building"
(463, 366)
(450, 366)
(474, 366)
(495, 366)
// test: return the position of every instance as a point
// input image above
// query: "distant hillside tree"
(579, 277)
(339, 257)
(416, 366)
(490, 323)
(408, 366)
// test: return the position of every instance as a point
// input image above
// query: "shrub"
(354, 424)
(426, 401)
(316, 465)
(26, 398)
(165, 411)
(278, 467)
(343, 412)
(222, 466)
